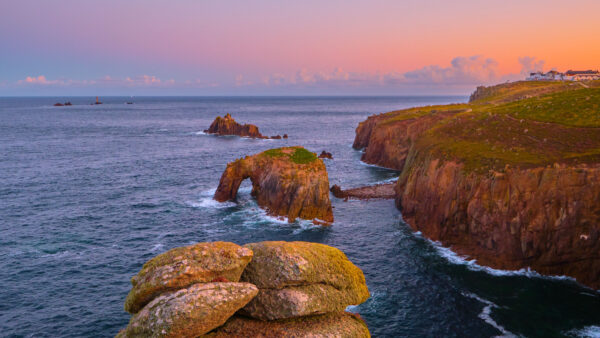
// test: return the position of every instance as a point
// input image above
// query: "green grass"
(274, 152)
(299, 156)
(551, 122)
(578, 108)
(303, 156)
(411, 113)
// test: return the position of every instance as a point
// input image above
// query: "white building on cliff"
(570, 75)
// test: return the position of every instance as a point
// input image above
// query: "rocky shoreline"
(266, 289)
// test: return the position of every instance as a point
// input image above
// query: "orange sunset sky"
(279, 47)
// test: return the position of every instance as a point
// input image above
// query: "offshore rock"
(326, 154)
(343, 325)
(301, 278)
(290, 182)
(227, 126)
(379, 191)
(189, 312)
(181, 267)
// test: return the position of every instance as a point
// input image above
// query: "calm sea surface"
(89, 193)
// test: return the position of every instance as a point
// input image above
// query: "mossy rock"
(299, 301)
(342, 325)
(302, 278)
(190, 312)
(181, 267)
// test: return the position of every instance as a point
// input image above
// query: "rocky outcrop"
(227, 126)
(379, 191)
(300, 278)
(326, 154)
(317, 282)
(181, 267)
(191, 311)
(343, 325)
(290, 182)
(513, 184)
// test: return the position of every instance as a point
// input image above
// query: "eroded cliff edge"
(288, 181)
(511, 179)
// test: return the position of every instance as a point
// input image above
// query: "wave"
(472, 265)
(206, 200)
(485, 314)
(586, 332)
(247, 212)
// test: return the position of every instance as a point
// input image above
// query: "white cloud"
(530, 64)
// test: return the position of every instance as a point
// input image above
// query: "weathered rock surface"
(343, 325)
(301, 278)
(544, 218)
(379, 191)
(227, 126)
(290, 182)
(184, 266)
(506, 180)
(190, 312)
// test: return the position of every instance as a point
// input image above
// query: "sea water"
(88, 193)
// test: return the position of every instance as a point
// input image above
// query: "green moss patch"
(303, 156)
(299, 154)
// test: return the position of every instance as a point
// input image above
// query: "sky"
(309, 47)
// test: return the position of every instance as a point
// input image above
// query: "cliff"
(228, 126)
(510, 179)
(288, 181)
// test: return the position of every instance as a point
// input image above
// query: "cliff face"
(289, 182)
(511, 184)
(544, 218)
(227, 126)
(387, 139)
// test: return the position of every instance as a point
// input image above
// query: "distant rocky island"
(266, 289)
(228, 126)
(511, 178)
(290, 182)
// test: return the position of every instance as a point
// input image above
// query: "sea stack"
(228, 126)
(290, 182)
(511, 179)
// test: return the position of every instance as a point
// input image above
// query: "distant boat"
(129, 102)
(98, 100)
(58, 104)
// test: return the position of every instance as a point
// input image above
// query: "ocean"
(89, 193)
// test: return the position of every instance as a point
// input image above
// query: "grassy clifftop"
(522, 124)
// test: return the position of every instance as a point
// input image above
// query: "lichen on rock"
(342, 325)
(191, 311)
(301, 278)
(180, 267)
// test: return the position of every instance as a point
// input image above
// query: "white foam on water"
(199, 133)
(472, 265)
(207, 201)
(586, 332)
(157, 247)
(485, 314)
